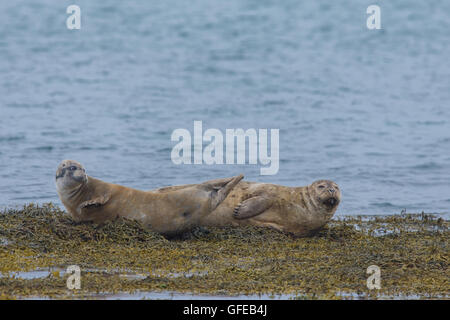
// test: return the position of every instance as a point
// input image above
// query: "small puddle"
(389, 228)
(44, 273)
(27, 275)
(188, 296)
(169, 295)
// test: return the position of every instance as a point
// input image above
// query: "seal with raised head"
(300, 211)
(171, 213)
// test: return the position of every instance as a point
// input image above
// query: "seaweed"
(121, 256)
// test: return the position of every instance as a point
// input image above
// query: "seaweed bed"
(37, 244)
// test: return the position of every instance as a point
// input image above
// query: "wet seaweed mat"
(37, 244)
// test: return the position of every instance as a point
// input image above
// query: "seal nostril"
(331, 190)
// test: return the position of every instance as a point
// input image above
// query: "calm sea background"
(367, 108)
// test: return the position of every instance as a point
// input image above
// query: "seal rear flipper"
(95, 202)
(220, 188)
(252, 207)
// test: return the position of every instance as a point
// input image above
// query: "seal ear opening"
(220, 189)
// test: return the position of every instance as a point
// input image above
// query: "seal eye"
(321, 187)
(72, 168)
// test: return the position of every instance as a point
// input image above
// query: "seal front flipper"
(220, 188)
(96, 202)
(252, 207)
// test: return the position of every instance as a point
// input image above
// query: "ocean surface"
(369, 109)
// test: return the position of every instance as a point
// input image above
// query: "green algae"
(412, 251)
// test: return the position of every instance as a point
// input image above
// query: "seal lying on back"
(300, 211)
(171, 213)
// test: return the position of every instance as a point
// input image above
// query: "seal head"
(70, 175)
(326, 193)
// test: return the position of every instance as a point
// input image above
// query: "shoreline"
(338, 215)
(123, 260)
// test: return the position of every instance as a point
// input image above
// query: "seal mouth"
(331, 202)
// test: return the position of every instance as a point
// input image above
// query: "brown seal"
(300, 211)
(171, 213)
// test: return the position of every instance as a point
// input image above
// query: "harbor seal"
(300, 211)
(171, 213)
